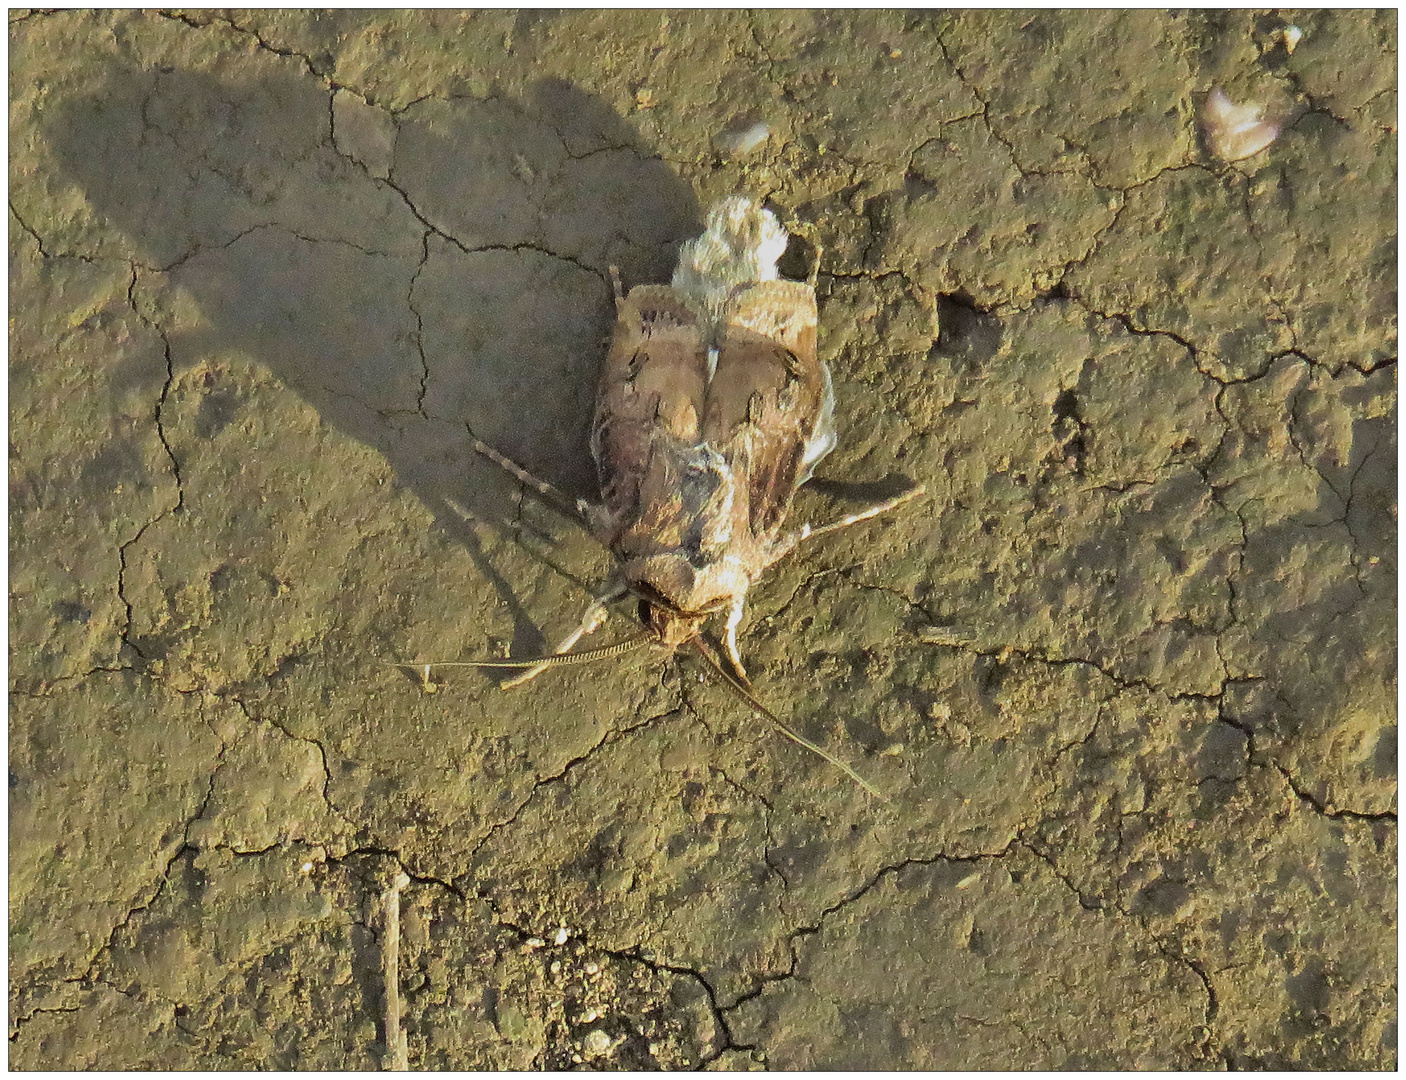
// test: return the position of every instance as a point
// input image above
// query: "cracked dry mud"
(1126, 674)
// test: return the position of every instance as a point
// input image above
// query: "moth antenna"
(585, 656)
(591, 621)
(746, 695)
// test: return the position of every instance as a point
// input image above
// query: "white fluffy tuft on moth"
(713, 408)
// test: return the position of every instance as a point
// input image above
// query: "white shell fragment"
(1235, 132)
(1288, 35)
(741, 141)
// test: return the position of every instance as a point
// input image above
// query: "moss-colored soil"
(1126, 674)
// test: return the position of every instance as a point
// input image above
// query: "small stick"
(397, 1052)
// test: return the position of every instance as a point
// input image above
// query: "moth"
(713, 408)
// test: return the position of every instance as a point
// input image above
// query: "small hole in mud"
(798, 258)
(965, 329)
(1066, 406)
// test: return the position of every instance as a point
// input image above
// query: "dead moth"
(713, 409)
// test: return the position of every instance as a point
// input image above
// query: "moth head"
(671, 628)
(674, 597)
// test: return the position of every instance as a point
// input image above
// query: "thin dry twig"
(397, 1052)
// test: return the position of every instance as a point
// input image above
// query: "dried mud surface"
(1125, 674)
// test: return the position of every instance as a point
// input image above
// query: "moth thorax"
(665, 581)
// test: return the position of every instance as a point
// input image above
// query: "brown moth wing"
(653, 383)
(765, 398)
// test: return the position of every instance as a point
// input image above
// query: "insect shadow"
(414, 275)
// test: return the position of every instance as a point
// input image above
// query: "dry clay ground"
(1125, 674)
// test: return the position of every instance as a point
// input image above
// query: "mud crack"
(813, 929)
(88, 976)
(126, 632)
(610, 735)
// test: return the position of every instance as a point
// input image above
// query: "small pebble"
(556, 967)
(559, 938)
(943, 635)
(597, 1042)
(534, 943)
(739, 142)
(592, 967)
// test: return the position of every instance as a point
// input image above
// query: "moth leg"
(806, 532)
(615, 284)
(591, 621)
(578, 508)
(734, 618)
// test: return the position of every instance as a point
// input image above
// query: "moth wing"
(654, 381)
(769, 402)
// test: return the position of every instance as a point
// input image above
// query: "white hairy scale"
(742, 242)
